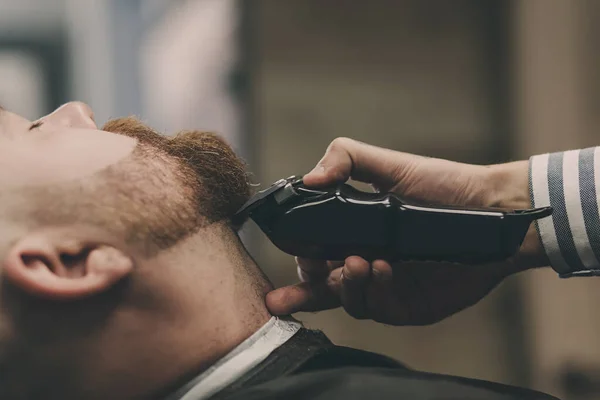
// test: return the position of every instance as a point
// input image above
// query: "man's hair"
(167, 189)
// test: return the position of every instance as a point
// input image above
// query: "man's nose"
(73, 115)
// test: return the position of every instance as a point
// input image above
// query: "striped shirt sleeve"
(569, 182)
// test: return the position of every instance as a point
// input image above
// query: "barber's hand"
(408, 293)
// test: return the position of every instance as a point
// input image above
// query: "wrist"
(510, 190)
(510, 185)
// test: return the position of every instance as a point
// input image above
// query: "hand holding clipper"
(446, 203)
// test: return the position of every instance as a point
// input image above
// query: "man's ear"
(60, 268)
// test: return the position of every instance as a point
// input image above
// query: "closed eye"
(35, 125)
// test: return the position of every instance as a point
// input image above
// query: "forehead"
(54, 154)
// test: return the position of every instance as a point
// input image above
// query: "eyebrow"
(35, 125)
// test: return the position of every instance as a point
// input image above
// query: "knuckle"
(338, 158)
(340, 143)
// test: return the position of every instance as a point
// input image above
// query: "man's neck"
(218, 355)
(178, 352)
(138, 353)
(207, 306)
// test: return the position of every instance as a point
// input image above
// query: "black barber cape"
(309, 366)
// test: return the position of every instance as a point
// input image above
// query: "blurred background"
(479, 81)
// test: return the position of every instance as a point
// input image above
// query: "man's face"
(38, 158)
(68, 190)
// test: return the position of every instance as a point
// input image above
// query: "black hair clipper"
(336, 222)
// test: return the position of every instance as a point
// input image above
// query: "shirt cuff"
(568, 182)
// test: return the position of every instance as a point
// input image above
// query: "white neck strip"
(240, 360)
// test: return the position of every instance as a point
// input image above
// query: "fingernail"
(378, 276)
(343, 276)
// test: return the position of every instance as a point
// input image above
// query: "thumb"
(301, 297)
(347, 158)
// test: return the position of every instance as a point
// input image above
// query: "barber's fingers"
(349, 284)
(314, 293)
(310, 270)
(364, 290)
(382, 271)
(354, 279)
(381, 298)
(303, 296)
(347, 158)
